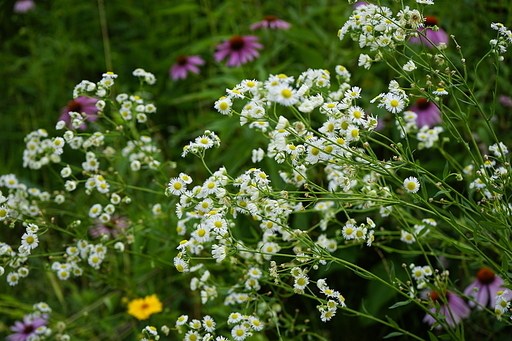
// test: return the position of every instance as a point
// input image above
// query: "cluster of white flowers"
(21, 200)
(242, 327)
(502, 304)
(206, 141)
(334, 300)
(134, 107)
(144, 75)
(344, 124)
(22, 203)
(491, 178)
(93, 254)
(421, 274)
(428, 136)
(363, 232)
(377, 28)
(500, 44)
(394, 101)
(141, 153)
(41, 150)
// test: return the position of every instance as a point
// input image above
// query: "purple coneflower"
(23, 6)
(437, 37)
(27, 328)
(240, 50)
(451, 306)
(82, 105)
(113, 228)
(428, 113)
(483, 290)
(184, 64)
(272, 22)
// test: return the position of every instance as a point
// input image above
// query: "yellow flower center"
(286, 93)
(411, 186)
(301, 281)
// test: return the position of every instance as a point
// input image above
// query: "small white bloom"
(411, 184)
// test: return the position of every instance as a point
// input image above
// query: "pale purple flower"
(451, 306)
(359, 4)
(272, 22)
(487, 284)
(82, 105)
(239, 49)
(436, 37)
(23, 6)
(428, 113)
(506, 101)
(184, 64)
(113, 228)
(23, 330)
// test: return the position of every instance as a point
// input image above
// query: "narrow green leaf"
(440, 193)
(392, 322)
(446, 170)
(400, 304)
(504, 264)
(393, 334)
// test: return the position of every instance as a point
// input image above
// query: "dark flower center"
(270, 18)
(485, 276)
(423, 103)
(28, 329)
(182, 60)
(430, 20)
(436, 297)
(74, 106)
(237, 43)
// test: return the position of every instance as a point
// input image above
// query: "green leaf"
(493, 226)
(400, 304)
(392, 322)
(392, 274)
(504, 264)
(363, 275)
(446, 170)
(432, 337)
(393, 334)
(440, 193)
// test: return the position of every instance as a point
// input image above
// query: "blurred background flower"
(27, 329)
(240, 49)
(23, 6)
(82, 105)
(484, 289)
(437, 37)
(272, 22)
(428, 114)
(451, 306)
(184, 64)
(113, 228)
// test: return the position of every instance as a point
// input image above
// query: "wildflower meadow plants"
(354, 204)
